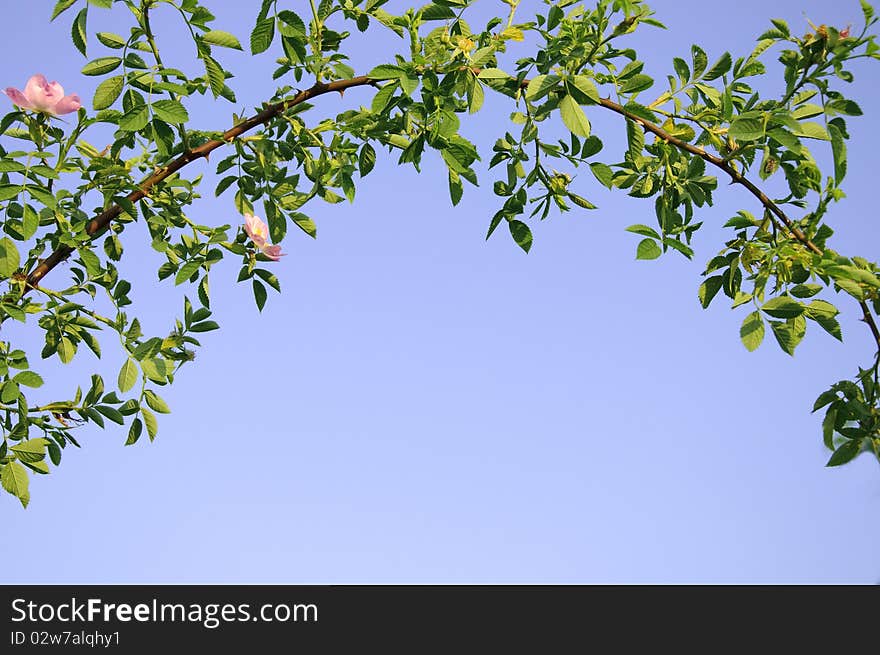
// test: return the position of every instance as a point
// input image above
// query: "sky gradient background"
(421, 405)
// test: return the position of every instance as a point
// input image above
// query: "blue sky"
(420, 405)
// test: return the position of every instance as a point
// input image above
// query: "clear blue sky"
(420, 405)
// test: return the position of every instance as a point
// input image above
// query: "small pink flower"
(273, 252)
(258, 232)
(844, 33)
(42, 95)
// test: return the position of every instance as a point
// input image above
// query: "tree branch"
(739, 178)
(103, 219)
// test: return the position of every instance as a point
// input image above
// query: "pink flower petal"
(67, 104)
(42, 95)
(256, 229)
(273, 252)
(18, 98)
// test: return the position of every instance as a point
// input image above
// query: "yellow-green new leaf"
(221, 38)
(574, 117)
(14, 479)
(9, 257)
(31, 450)
(128, 375)
(752, 331)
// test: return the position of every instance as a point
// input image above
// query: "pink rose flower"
(258, 232)
(42, 95)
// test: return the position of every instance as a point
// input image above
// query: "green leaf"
(366, 159)
(186, 271)
(805, 290)
(383, 97)
(203, 291)
(9, 392)
(644, 230)
(824, 398)
(9, 258)
(41, 194)
(540, 86)
(493, 74)
(170, 111)
(32, 450)
(155, 402)
(838, 150)
(111, 40)
(135, 119)
(709, 289)
(846, 452)
(821, 308)
(29, 222)
(54, 452)
(128, 376)
(101, 65)
(587, 88)
(807, 110)
(150, 421)
(221, 38)
(580, 201)
(216, 77)
(476, 97)
(436, 12)
(107, 92)
(635, 138)
(29, 379)
(9, 191)
(747, 129)
(61, 6)
(636, 83)
(204, 326)
(260, 294)
(751, 332)
(789, 334)
(574, 117)
(156, 369)
(111, 413)
(824, 314)
(783, 307)
(603, 173)
(91, 261)
(648, 249)
(521, 234)
(14, 479)
(682, 69)
(261, 38)
(456, 188)
(305, 223)
(386, 72)
(66, 350)
(134, 432)
(719, 68)
(810, 130)
(700, 60)
(78, 31)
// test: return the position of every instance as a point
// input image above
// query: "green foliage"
(562, 64)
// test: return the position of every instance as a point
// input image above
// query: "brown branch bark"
(102, 220)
